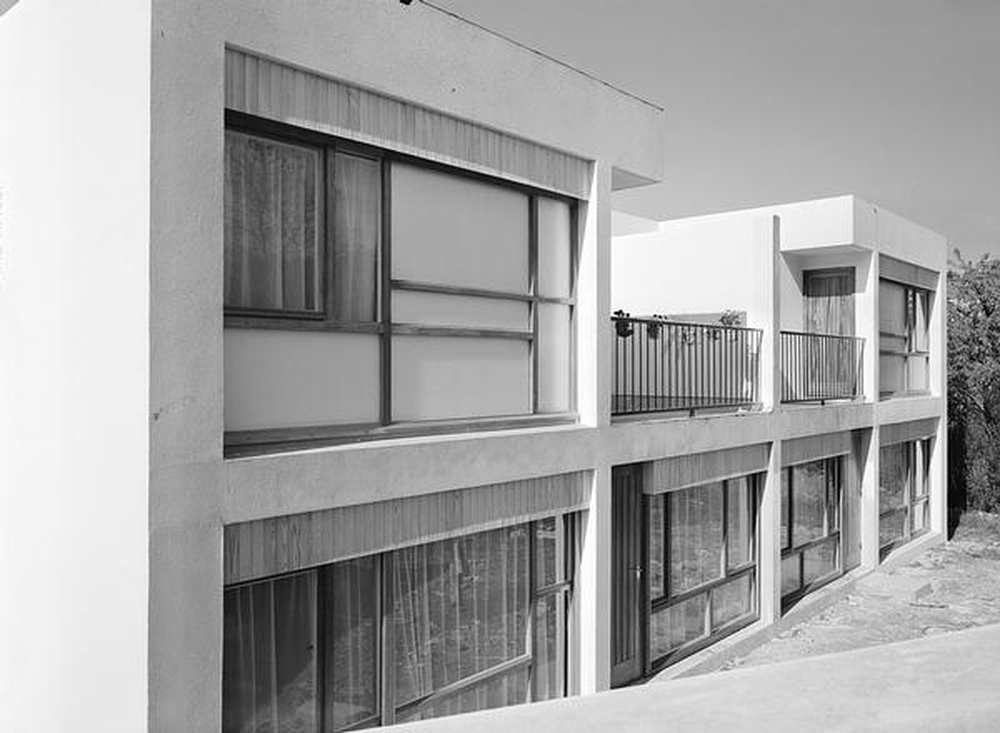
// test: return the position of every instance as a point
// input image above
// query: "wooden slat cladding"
(671, 474)
(906, 431)
(907, 273)
(815, 447)
(265, 547)
(277, 91)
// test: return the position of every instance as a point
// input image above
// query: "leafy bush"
(974, 384)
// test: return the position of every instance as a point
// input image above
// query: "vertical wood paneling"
(907, 431)
(678, 472)
(285, 93)
(814, 447)
(275, 545)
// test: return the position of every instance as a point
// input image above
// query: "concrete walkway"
(949, 682)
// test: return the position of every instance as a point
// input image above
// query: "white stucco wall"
(420, 55)
(74, 285)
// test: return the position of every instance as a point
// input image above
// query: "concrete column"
(593, 589)
(869, 503)
(769, 567)
(593, 315)
(768, 235)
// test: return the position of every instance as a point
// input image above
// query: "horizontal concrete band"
(285, 93)
(815, 447)
(266, 547)
(678, 472)
(906, 431)
(907, 273)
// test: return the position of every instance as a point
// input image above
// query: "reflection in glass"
(695, 536)
(460, 606)
(731, 601)
(350, 682)
(676, 625)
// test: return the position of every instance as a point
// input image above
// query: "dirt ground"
(949, 587)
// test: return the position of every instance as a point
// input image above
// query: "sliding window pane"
(351, 639)
(269, 657)
(820, 561)
(892, 373)
(732, 601)
(808, 502)
(739, 521)
(499, 691)
(549, 650)
(785, 508)
(695, 536)
(272, 213)
(894, 471)
(892, 308)
(549, 541)
(892, 526)
(676, 625)
(917, 373)
(460, 606)
(656, 545)
(923, 486)
(357, 222)
(918, 517)
(791, 577)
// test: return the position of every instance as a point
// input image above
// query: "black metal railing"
(817, 367)
(665, 365)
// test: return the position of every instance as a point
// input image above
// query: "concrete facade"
(157, 562)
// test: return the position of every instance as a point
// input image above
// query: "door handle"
(637, 569)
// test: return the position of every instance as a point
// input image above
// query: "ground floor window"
(811, 495)
(461, 624)
(702, 565)
(904, 492)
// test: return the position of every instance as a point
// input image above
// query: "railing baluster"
(686, 366)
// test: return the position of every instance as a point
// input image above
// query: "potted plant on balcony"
(623, 326)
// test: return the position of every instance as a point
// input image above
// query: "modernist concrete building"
(820, 328)
(319, 420)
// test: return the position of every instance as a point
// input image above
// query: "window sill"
(243, 443)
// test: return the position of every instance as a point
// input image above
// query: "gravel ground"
(949, 587)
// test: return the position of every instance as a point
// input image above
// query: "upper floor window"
(366, 289)
(904, 345)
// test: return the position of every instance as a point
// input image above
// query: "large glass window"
(811, 495)
(457, 625)
(904, 345)
(703, 565)
(904, 492)
(443, 295)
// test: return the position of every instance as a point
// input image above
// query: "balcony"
(819, 367)
(663, 366)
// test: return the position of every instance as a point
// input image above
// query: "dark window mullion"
(533, 291)
(386, 640)
(385, 292)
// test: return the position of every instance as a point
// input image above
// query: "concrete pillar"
(593, 292)
(869, 503)
(769, 567)
(768, 235)
(593, 589)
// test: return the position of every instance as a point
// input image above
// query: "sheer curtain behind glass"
(269, 657)
(460, 607)
(272, 210)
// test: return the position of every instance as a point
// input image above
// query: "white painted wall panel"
(277, 379)
(453, 377)
(435, 309)
(453, 230)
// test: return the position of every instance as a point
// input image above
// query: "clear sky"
(767, 101)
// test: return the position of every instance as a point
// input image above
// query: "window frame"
(916, 493)
(387, 709)
(835, 468)
(656, 603)
(912, 301)
(252, 442)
